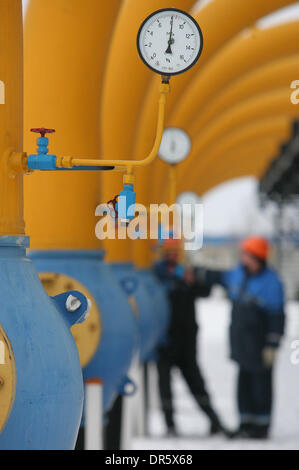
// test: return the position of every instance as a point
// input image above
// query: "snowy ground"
(220, 372)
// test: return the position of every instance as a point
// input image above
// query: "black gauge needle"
(171, 40)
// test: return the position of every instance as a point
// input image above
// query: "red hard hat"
(256, 246)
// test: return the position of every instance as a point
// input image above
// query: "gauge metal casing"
(169, 41)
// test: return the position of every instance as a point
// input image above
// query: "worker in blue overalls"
(257, 325)
(180, 348)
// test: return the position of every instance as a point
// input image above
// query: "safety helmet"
(256, 246)
(171, 245)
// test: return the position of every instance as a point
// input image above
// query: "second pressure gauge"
(169, 41)
(175, 145)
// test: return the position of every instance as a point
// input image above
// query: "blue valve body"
(126, 203)
(42, 145)
(43, 161)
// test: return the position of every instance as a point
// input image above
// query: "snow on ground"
(220, 373)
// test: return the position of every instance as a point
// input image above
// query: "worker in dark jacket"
(180, 348)
(257, 325)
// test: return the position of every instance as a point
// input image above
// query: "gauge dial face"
(175, 145)
(169, 41)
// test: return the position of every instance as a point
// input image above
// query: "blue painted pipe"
(119, 325)
(48, 404)
(152, 304)
(162, 308)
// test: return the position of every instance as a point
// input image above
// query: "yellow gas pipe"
(11, 116)
(220, 20)
(270, 104)
(272, 128)
(11, 185)
(126, 80)
(247, 94)
(277, 73)
(260, 152)
(64, 70)
(249, 168)
(243, 54)
(208, 155)
(61, 205)
(207, 89)
(71, 224)
(172, 184)
(18, 161)
(125, 165)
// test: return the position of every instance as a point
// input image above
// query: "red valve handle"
(113, 211)
(42, 131)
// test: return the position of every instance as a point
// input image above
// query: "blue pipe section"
(48, 404)
(49, 163)
(126, 203)
(44, 162)
(153, 309)
(161, 303)
(118, 343)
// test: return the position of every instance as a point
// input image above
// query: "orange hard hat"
(256, 246)
(171, 245)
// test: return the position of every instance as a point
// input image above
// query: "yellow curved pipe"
(277, 73)
(126, 165)
(11, 116)
(251, 161)
(126, 79)
(216, 32)
(274, 126)
(220, 20)
(269, 104)
(172, 184)
(263, 150)
(246, 52)
(63, 83)
(248, 169)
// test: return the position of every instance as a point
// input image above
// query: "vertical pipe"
(63, 86)
(172, 184)
(93, 415)
(125, 85)
(11, 115)
(132, 422)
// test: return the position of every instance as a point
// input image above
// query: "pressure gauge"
(169, 41)
(175, 145)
